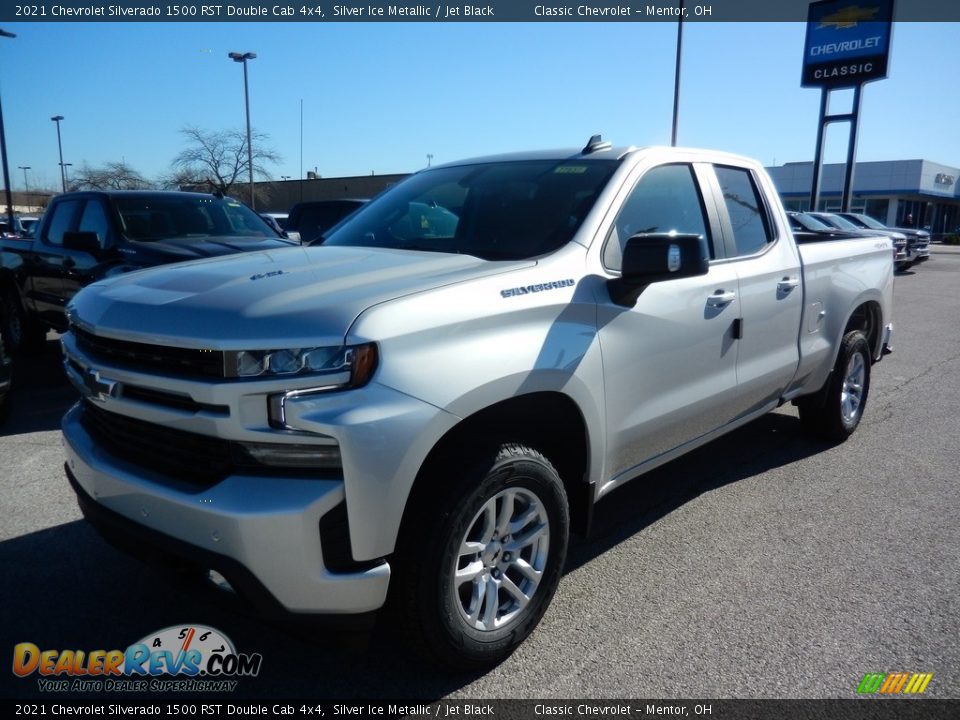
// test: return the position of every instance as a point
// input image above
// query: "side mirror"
(83, 240)
(654, 257)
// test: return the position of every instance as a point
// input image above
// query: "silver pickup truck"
(426, 404)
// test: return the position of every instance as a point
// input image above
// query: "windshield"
(501, 210)
(838, 222)
(808, 222)
(184, 216)
(870, 222)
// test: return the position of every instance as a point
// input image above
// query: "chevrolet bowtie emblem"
(100, 388)
(848, 17)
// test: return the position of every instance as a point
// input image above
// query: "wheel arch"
(868, 319)
(563, 439)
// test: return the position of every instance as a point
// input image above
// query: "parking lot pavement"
(762, 565)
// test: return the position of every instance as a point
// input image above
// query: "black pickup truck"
(87, 236)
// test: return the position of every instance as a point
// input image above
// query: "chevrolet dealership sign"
(848, 42)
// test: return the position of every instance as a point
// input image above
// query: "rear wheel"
(479, 566)
(835, 412)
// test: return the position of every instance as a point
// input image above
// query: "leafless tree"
(112, 176)
(216, 160)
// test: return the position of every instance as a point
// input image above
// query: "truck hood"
(295, 297)
(166, 250)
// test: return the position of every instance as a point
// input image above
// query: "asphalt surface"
(764, 565)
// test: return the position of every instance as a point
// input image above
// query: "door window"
(748, 217)
(665, 200)
(61, 221)
(94, 219)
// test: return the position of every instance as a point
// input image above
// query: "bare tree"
(112, 176)
(216, 160)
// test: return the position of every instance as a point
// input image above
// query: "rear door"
(769, 278)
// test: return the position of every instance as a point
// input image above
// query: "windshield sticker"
(570, 170)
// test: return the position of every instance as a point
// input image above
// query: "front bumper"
(918, 253)
(261, 533)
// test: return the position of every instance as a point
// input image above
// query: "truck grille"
(178, 454)
(171, 360)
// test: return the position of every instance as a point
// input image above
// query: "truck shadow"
(41, 393)
(772, 441)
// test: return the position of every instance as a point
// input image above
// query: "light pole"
(63, 177)
(63, 169)
(676, 78)
(242, 58)
(3, 150)
(284, 177)
(429, 159)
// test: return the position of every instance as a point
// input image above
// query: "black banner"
(192, 706)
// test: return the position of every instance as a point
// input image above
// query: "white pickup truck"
(427, 403)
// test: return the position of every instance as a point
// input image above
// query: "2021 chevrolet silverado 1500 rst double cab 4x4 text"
(429, 406)
(87, 236)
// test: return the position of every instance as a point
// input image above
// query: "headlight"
(347, 366)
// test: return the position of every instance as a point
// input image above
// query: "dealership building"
(888, 190)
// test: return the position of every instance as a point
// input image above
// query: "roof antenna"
(595, 144)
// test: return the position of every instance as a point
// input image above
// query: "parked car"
(807, 227)
(428, 405)
(87, 236)
(918, 241)
(838, 221)
(28, 224)
(310, 220)
(278, 221)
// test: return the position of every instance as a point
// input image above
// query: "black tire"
(21, 333)
(433, 610)
(835, 412)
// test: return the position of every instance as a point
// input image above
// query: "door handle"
(69, 262)
(721, 299)
(788, 284)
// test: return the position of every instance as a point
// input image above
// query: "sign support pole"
(853, 117)
(851, 151)
(818, 154)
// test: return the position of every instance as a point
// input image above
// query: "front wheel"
(479, 566)
(835, 412)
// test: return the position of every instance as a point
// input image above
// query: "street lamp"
(429, 159)
(63, 169)
(63, 176)
(242, 58)
(26, 185)
(3, 150)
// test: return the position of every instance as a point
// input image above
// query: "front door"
(670, 362)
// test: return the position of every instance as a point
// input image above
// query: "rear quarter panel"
(839, 276)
